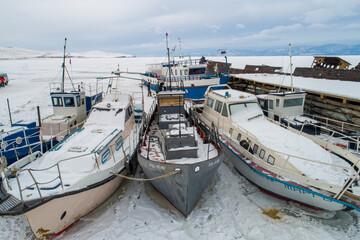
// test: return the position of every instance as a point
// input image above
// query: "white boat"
(54, 190)
(284, 162)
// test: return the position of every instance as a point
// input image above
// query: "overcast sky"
(139, 26)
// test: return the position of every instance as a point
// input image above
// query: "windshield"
(245, 111)
(243, 107)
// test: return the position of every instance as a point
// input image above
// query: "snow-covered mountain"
(22, 53)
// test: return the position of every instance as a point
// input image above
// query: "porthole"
(63, 215)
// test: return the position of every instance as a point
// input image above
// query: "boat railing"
(89, 88)
(20, 142)
(334, 136)
(284, 157)
(184, 62)
(18, 167)
(299, 177)
(335, 124)
(53, 130)
(189, 77)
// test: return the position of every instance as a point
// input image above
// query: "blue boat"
(184, 74)
(71, 107)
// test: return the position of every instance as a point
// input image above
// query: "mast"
(168, 52)
(63, 67)
(291, 76)
(181, 56)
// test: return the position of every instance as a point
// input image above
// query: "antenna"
(291, 76)
(63, 67)
(167, 46)
(181, 55)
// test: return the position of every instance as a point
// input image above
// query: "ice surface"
(231, 208)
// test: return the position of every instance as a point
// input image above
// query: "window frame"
(212, 102)
(270, 162)
(218, 106)
(69, 105)
(58, 98)
(262, 153)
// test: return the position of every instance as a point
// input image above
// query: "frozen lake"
(231, 208)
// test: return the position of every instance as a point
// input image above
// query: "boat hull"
(184, 189)
(57, 214)
(281, 188)
(194, 89)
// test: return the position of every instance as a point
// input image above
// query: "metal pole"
(9, 111)
(227, 69)
(292, 88)
(167, 46)
(39, 117)
(63, 67)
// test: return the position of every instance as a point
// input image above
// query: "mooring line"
(148, 179)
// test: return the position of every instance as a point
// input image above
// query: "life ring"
(18, 140)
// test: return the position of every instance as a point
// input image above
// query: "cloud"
(240, 25)
(273, 33)
(214, 28)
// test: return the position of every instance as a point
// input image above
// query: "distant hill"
(21, 53)
(326, 49)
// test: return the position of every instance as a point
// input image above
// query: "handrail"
(57, 165)
(331, 132)
(300, 177)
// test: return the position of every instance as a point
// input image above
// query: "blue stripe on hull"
(193, 92)
(287, 185)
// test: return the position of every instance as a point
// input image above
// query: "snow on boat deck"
(285, 141)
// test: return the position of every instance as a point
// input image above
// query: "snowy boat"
(283, 162)
(71, 104)
(185, 74)
(288, 108)
(172, 146)
(54, 190)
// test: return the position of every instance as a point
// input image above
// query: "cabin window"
(277, 102)
(69, 102)
(210, 102)
(78, 101)
(271, 104)
(57, 101)
(180, 72)
(119, 143)
(293, 102)
(262, 153)
(218, 106)
(238, 137)
(224, 111)
(186, 72)
(255, 149)
(105, 156)
(271, 160)
(175, 71)
(241, 107)
(195, 71)
(82, 101)
(128, 113)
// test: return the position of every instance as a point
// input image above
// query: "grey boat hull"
(184, 189)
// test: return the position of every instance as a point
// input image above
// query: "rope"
(148, 179)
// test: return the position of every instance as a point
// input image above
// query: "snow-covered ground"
(231, 208)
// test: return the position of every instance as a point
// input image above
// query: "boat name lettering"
(298, 189)
(214, 162)
(156, 166)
